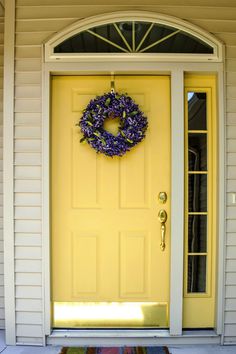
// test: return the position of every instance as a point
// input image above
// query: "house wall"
(35, 22)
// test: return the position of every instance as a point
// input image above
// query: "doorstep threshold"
(98, 333)
(140, 333)
(129, 336)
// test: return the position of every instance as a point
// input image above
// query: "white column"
(46, 200)
(177, 201)
(221, 255)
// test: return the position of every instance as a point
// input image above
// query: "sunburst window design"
(134, 37)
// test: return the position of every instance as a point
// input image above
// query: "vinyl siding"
(34, 25)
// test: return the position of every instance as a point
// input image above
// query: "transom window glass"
(133, 37)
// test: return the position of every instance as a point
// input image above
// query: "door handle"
(162, 216)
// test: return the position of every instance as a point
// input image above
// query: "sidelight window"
(198, 190)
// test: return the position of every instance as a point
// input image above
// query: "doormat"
(115, 350)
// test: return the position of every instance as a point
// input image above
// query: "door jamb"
(176, 71)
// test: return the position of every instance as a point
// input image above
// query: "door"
(108, 269)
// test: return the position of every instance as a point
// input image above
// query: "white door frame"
(176, 71)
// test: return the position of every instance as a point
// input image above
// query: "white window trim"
(93, 21)
(176, 71)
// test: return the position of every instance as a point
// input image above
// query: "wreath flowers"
(132, 127)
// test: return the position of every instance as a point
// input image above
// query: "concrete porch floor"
(201, 349)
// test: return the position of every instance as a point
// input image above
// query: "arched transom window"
(133, 37)
(130, 35)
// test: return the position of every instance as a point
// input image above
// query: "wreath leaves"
(132, 128)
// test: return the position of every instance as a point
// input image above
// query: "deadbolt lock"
(162, 197)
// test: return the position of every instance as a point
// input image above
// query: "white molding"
(222, 203)
(8, 172)
(132, 57)
(177, 201)
(137, 68)
(46, 202)
(119, 16)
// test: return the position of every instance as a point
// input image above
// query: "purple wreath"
(132, 127)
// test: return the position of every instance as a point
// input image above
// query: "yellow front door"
(107, 265)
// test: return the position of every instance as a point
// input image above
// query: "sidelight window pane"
(197, 116)
(197, 192)
(197, 152)
(196, 274)
(197, 233)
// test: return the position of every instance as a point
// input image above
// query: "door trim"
(177, 202)
(176, 71)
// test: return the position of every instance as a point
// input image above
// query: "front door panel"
(107, 265)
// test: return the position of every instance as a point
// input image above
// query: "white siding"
(37, 21)
(2, 316)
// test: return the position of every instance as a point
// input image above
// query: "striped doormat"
(115, 350)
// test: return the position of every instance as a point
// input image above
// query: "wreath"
(132, 125)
